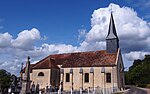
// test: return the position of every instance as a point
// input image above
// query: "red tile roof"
(31, 66)
(79, 59)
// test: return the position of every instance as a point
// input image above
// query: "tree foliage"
(5, 78)
(139, 72)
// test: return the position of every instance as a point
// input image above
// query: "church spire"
(112, 30)
(112, 41)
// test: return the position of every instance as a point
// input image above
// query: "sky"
(38, 28)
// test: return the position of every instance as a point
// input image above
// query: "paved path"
(147, 90)
(137, 90)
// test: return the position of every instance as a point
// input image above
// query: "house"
(81, 70)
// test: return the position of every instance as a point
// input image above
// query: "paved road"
(136, 90)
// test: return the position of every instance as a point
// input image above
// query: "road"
(137, 90)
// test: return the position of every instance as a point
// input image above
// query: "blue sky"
(59, 26)
(59, 20)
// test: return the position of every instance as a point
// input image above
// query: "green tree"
(139, 72)
(5, 79)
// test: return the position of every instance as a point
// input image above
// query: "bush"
(142, 85)
(148, 86)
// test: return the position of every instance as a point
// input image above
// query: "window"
(41, 74)
(67, 77)
(86, 77)
(108, 77)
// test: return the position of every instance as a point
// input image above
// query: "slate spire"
(112, 30)
(112, 40)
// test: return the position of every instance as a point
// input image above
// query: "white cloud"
(135, 55)
(26, 39)
(5, 40)
(57, 48)
(133, 31)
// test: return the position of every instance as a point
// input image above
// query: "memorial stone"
(26, 80)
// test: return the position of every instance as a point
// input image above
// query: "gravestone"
(13, 85)
(26, 80)
(47, 90)
(33, 88)
(37, 89)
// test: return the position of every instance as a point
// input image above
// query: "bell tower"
(112, 41)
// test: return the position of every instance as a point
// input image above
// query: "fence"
(90, 90)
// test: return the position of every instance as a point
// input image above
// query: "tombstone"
(12, 89)
(19, 84)
(26, 81)
(37, 89)
(47, 89)
(50, 88)
(13, 85)
(33, 88)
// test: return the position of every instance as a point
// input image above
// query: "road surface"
(137, 90)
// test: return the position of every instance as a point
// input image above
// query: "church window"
(86, 77)
(108, 77)
(67, 77)
(41, 74)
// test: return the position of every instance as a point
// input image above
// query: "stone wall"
(43, 81)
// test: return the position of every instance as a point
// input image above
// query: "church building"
(83, 70)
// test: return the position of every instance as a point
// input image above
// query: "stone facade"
(41, 80)
(96, 79)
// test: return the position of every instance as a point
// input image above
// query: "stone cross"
(26, 81)
(111, 9)
(27, 70)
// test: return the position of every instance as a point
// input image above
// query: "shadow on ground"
(135, 90)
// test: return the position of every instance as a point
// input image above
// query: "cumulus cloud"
(5, 40)
(133, 32)
(14, 51)
(26, 39)
(135, 55)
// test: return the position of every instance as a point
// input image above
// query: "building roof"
(79, 59)
(112, 30)
(31, 66)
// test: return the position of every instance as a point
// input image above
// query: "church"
(83, 70)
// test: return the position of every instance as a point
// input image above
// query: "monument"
(26, 80)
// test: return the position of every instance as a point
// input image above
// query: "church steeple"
(112, 41)
(112, 30)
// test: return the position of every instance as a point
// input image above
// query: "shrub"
(148, 86)
(142, 85)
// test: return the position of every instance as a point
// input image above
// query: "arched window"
(41, 74)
